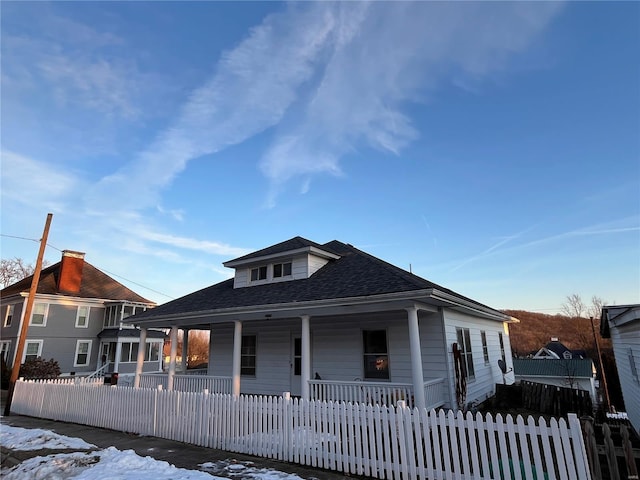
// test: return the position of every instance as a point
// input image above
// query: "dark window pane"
(376, 360)
(286, 269)
(248, 355)
(263, 273)
(277, 270)
(375, 341)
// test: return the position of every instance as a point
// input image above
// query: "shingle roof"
(574, 367)
(286, 246)
(354, 274)
(95, 284)
(129, 333)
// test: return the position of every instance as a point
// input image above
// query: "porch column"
(116, 360)
(172, 357)
(185, 348)
(305, 361)
(237, 346)
(141, 354)
(416, 358)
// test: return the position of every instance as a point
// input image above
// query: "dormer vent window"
(282, 270)
(259, 273)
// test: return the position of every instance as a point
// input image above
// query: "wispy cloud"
(510, 245)
(74, 61)
(31, 182)
(192, 244)
(252, 88)
(385, 57)
(332, 78)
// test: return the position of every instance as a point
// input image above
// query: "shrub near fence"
(377, 441)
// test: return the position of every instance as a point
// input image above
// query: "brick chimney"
(70, 276)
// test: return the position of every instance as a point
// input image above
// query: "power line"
(106, 271)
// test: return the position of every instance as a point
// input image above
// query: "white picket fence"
(371, 440)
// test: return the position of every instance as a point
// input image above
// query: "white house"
(331, 321)
(621, 323)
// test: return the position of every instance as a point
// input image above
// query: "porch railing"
(434, 393)
(187, 383)
(376, 393)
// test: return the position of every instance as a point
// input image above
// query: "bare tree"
(14, 270)
(595, 309)
(574, 306)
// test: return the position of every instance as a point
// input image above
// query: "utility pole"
(27, 317)
(604, 377)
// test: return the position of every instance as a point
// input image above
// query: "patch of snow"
(108, 464)
(16, 438)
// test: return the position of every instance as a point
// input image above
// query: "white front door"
(296, 366)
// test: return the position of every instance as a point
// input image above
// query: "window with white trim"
(129, 352)
(83, 353)
(501, 340)
(82, 317)
(464, 344)
(9, 317)
(485, 347)
(152, 352)
(5, 345)
(39, 315)
(281, 270)
(248, 355)
(376, 356)
(32, 350)
(259, 273)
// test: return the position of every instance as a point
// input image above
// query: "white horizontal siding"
(336, 347)
(626, 339)
(486, 376)
(315, 263)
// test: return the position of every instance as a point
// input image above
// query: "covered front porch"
(365, 354)
(370, 393)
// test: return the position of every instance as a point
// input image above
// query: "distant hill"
(536, 329)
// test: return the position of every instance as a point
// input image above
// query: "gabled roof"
(95, 284)
(293, 245)
(617, 315)
(573, 367)
(353, 273)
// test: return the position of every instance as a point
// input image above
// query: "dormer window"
(281, 270)
(259, 273)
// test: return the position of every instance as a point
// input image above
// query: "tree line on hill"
(574, 329)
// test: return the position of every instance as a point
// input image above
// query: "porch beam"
(185, 349)
(116, 360)
(142, 349)
(416, 358)
(305, 361)
(172, 357)
(237, 351)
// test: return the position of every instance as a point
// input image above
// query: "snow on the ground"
(111, 463)
(17, 438)
(107, 464)
(246, 470)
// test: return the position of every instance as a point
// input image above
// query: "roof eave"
(289, 253)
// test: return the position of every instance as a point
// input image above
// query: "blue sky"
(493, 148)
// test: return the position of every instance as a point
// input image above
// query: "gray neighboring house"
(309, 318)
(77, 319)
(621, 323)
